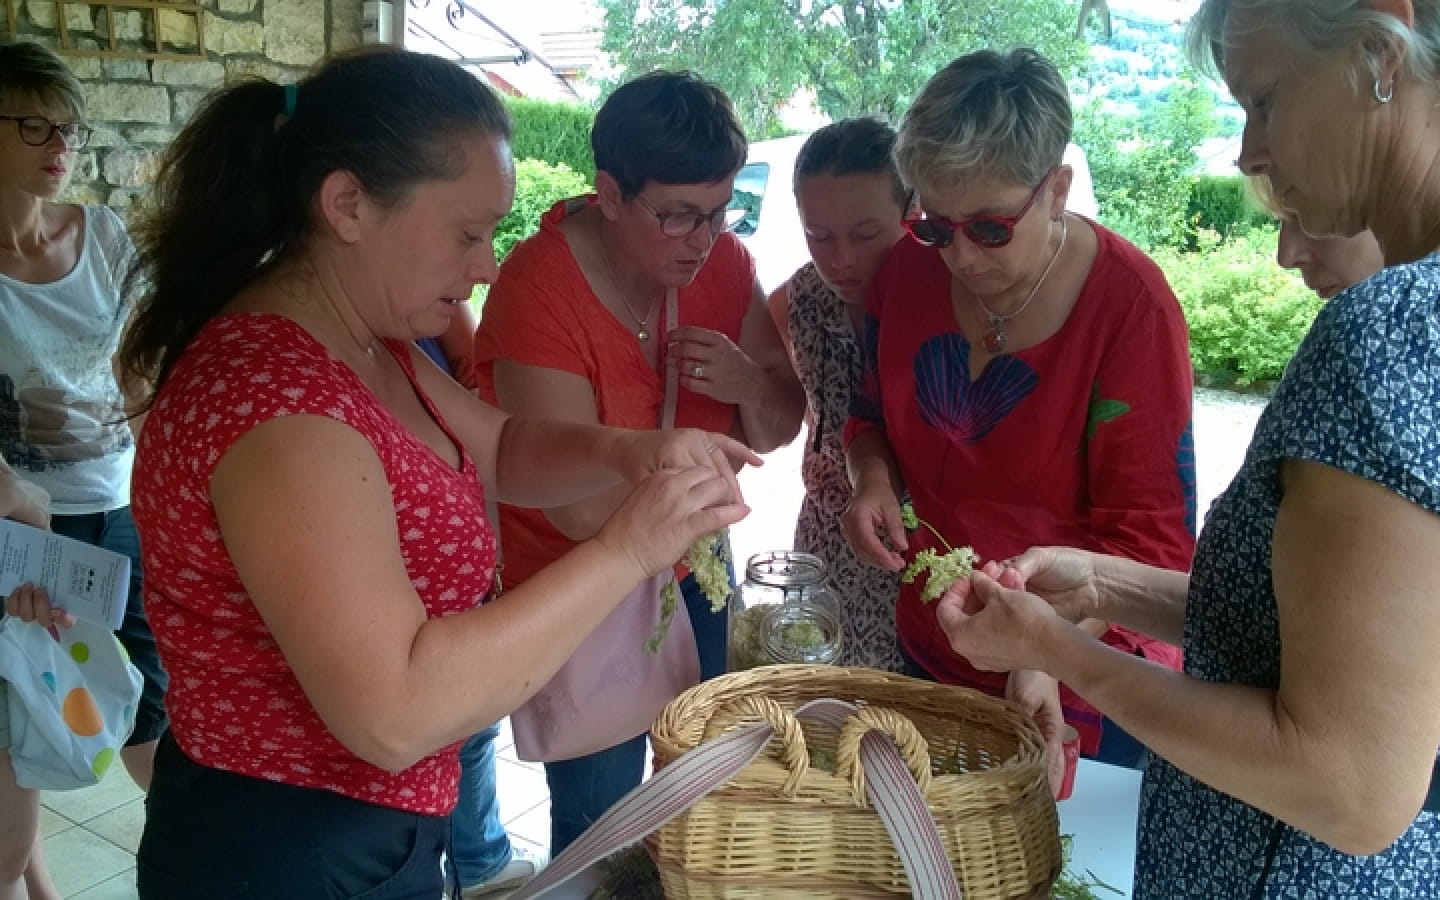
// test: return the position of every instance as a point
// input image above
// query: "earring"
(1385, 97)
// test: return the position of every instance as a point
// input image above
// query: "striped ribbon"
(889, 785)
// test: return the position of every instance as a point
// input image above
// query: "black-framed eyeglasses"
(37, 131)
(990, 232)
(679, 225)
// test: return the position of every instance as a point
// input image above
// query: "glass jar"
(784, 613)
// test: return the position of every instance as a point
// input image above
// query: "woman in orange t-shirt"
(575, 328)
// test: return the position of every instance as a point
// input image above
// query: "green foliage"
(1141, 164)
(538, 185)
(1221, 204)
(859, 57)
(553, 132)
(1246, 314)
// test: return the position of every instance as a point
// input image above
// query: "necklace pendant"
(644, 335)
(995, 341)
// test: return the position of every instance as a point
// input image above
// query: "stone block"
(42, 13)
(237, 7)
(103, 135)
(345, 25)
(79, 17)
(294, 31)
(184, 104)
(242, 69)
(131, 24)
(205, 73)
(177, 29)
(126, 69)
(129, 103)
(82, 193)
(131, 166)
(227, 36)
(85, 168)
(160, 136)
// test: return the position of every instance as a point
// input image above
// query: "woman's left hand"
(1039, 695)
(710, 363)
(639, 454)
(31, 603)
(997, 628)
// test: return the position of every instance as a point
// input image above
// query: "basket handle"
(672, 790)
(912, 746)
(794, 755)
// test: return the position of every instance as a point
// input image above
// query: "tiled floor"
(91, 835)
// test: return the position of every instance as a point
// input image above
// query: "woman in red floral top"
(310, 490)
(1028, 377)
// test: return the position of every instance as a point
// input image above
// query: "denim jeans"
(115, 531)
(582, 789)
(479, 843)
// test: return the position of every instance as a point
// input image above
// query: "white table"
(1100, 814)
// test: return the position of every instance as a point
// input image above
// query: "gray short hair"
(31, 71)
(1324, 28)
(1004, 116)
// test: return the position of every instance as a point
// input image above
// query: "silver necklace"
(642, 323)
(996, 340)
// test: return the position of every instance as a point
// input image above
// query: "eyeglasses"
(679, 225)
(37, 131)
(990, 232)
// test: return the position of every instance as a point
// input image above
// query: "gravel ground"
(1224, 422)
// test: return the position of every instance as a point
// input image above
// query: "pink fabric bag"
(613, 688)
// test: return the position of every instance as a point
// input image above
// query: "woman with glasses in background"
(1027, 375)
(619, 291)
(63, 427)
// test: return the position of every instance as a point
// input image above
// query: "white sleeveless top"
(61, 410)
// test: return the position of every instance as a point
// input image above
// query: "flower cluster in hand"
(706, 560)
(942, 569)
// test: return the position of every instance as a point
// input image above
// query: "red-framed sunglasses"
(990, 232)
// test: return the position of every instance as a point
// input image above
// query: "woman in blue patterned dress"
(1297, 750)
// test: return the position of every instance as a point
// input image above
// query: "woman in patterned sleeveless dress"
(851, 201)
(1296, 755)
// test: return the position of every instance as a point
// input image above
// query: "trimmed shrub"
(1246, 314)
(538, 185)
(554, 132)
(1221, 204)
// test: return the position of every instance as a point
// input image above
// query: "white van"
(771, 228)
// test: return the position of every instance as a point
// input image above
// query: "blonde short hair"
(999, 115)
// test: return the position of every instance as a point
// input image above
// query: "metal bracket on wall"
(157, 29)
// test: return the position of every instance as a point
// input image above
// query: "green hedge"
(554, 132)
(538, 185)
(1222, 204)
(1246, 314)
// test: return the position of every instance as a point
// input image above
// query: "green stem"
(948, 548)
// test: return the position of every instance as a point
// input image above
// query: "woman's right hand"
(1063, 577)
(668, 512)
(31, 603)
(873, 527)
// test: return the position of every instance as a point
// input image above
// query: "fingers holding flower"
(996, 627)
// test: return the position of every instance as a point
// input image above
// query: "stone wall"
(136, 106)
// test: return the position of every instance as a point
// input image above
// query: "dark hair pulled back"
(234, 195)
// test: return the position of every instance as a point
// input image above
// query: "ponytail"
(233, 197)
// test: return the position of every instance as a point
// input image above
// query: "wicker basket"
(787, 829)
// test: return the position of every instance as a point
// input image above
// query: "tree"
(1143, 165)
(858, 57)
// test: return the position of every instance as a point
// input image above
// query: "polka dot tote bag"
(71, 695)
